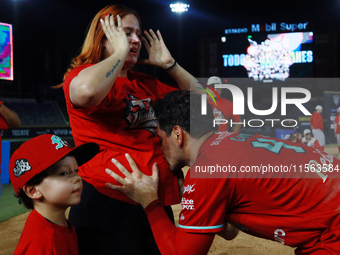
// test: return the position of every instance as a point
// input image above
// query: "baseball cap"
(306, 131)
(214, 80)
(338, 110)
(41, 152)
(318, 107)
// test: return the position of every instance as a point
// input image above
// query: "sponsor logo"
(182, 217)
(278, 235)
(187, 204)
(189, 188)
(21, 132)
(261, 28)
(283, 27)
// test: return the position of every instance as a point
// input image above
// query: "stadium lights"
(179, 7)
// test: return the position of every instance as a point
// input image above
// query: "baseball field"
(243, 244)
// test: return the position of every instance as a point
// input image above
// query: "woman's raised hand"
(115, 34)
(159, 54)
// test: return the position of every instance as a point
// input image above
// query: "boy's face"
(63, 186)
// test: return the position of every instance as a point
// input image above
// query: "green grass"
(9, 206)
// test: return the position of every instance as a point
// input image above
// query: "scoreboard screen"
(6, 52)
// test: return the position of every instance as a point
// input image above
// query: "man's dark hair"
(183, 108)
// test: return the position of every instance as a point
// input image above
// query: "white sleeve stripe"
(202, 227)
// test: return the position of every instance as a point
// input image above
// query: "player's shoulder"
(216, 138)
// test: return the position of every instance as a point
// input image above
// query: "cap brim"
(84, 152)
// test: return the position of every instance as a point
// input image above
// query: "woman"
(110, 104)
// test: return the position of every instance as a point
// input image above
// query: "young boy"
(44, 175)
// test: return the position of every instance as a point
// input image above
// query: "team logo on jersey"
(139, 114)
(187, 204)
(189, 188)
(21, 166)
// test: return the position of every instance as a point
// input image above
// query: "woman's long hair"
(92, 50)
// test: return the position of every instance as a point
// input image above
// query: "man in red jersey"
(263, 186)
(316, 124)
(8, 119)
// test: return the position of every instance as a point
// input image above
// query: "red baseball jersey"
(41, 236)
(124, 122)
(316, 121)
(337, 123)
(223, 111)
(3, 126)
(267, 187)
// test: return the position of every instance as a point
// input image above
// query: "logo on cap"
(60, 142)
(21, 166)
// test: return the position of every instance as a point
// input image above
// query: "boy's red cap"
(41, 152)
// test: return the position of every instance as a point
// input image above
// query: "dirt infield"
(243, 244)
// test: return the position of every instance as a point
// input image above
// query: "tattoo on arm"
(110, 72)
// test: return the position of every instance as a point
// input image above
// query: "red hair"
(92, 49)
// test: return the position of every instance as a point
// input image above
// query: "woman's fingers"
(119, 22)
(154, 36)
(149, 37)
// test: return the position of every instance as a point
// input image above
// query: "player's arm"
(312, 121)
(229, 232)
(142, 189)
(11, 118)
(171, 241)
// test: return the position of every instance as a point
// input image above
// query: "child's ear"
(32, 192)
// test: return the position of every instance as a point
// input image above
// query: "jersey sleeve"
(169, 240)
(70, 77)
(203, 207)
(3, 124)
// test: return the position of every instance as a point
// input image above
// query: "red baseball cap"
(41, 152)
